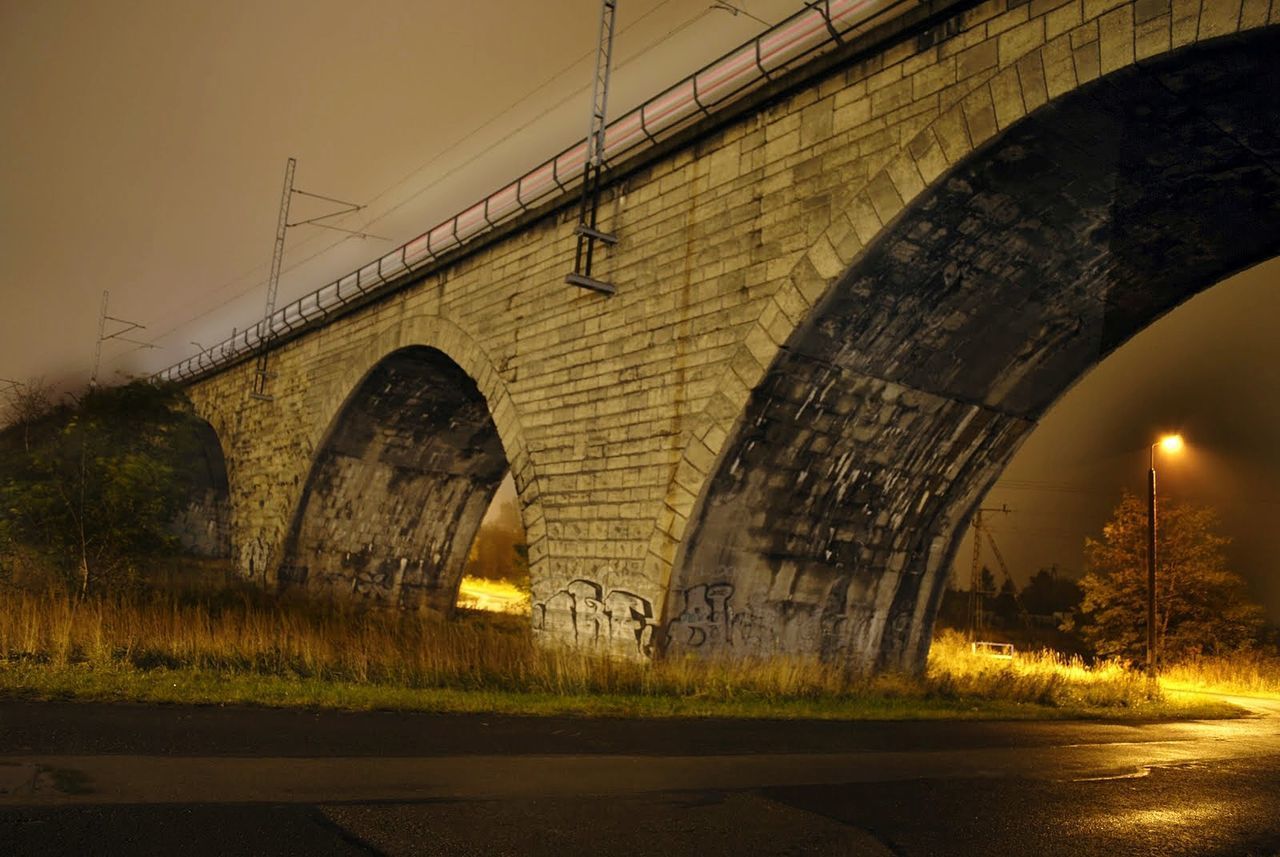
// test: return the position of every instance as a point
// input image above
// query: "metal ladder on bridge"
(593, 164)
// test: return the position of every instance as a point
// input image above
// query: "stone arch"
(419, 424)
(203, 523)
(866, 336)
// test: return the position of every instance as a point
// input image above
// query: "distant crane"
(977, 593)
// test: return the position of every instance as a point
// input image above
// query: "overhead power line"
(735, 11)
(517, 103)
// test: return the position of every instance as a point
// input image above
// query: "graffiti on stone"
(709, 620)
(616, 618)
(706, 619)
(371, 583)
(630, 617)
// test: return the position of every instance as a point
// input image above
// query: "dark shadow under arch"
(831, 518)
(203, 523)
(398, 487)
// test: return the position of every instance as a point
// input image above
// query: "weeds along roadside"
(1248, 673)
(240, 631)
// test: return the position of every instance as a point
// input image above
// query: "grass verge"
(199, 687)
(243, 649)
(1253, 673)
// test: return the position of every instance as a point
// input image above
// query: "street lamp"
(1171, 444)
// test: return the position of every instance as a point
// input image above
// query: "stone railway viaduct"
(839, 310)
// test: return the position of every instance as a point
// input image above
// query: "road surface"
(122, 779)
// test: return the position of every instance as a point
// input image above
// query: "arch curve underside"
(835, 510)
(202, 525)
(398, 488)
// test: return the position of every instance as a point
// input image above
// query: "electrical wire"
(565, 100)
(444, 152)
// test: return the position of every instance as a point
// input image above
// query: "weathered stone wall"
(399, 487)
(203, 524)
(616, 414)
(897, 402)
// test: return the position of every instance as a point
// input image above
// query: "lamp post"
(1170, 443)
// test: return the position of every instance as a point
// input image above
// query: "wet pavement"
(124, 779)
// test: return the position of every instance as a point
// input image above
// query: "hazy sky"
(143, 144)
(142, 149)
(1211, 370)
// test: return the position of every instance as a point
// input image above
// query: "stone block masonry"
(837, 315)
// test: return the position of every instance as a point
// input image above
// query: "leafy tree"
(1201, 606)
(26, 405)
(93, 485)
(986, 581)
(1048, 592)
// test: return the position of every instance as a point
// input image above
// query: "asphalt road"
(120, 779)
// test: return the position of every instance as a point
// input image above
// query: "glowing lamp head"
(1171, 444)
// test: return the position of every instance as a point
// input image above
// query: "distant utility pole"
(593, 163)
(262, 375)
(977, 620)
(103, 336)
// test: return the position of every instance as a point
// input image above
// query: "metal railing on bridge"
(820, 27)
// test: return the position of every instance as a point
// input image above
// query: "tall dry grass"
(241, 631)
(1249, 673)
(298, 639)
(1043, 677)
(244, 636)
